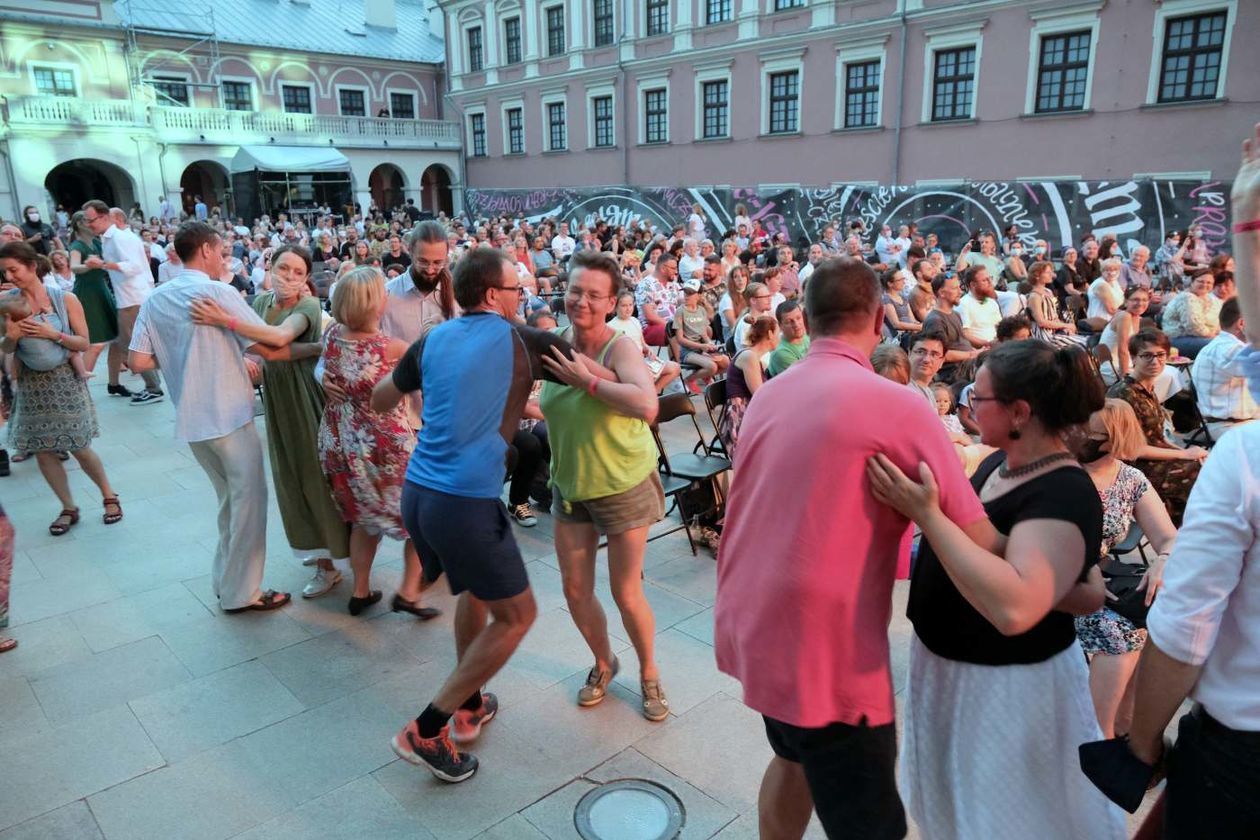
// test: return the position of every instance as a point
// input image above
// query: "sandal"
(112, 502)
(57, 528)
(7, 645)
(270, 600)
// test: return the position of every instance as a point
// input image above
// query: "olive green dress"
(294, 403)
(92, 289)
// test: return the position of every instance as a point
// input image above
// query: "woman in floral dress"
(364, 454)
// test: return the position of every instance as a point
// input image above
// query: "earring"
(1013, 434)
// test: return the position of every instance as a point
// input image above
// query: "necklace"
(1033, 466)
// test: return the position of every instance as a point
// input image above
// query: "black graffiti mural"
(1060, 212)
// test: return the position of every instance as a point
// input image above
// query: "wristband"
(1243, 227)
(232, 325)
(590, 389)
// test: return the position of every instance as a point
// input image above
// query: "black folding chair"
(682, 472)
(715, 404)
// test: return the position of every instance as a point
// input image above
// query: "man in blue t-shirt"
(475, 373)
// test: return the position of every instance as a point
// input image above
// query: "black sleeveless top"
(946, 622)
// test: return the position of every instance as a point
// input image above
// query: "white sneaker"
(322, 583)
(524, 515)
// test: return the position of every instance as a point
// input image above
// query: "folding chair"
(1201, 434)
(671, 343)
(715, 404)
(685, 471)
(1102, 356)
(1135, 540)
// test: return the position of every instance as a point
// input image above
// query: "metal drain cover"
(629, 809)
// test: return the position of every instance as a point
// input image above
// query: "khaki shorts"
(641, 505)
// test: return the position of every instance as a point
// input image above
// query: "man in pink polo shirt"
(804, 591)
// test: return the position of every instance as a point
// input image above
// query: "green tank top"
(595, 452)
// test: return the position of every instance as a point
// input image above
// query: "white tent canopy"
(289, 159)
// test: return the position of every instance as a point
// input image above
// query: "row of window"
(236, 95)
(1190, 68)
(1189, 71)
(656, 17)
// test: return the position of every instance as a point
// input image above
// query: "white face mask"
(34, 217)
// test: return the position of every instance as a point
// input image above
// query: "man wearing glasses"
(476, 373)
(927, 354)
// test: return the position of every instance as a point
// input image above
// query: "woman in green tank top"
(604, 476)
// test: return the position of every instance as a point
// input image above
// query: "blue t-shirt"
(476, 373)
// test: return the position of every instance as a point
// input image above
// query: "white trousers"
(235, 466)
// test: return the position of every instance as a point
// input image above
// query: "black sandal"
(401, 604)
(112, 502)
(57, 528)
(270, 600)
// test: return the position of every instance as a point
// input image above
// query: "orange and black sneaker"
(438, 754)
(466, 725)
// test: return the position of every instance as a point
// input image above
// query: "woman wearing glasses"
(1170, 469)
(603, 477)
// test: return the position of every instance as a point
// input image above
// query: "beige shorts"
(641, 505)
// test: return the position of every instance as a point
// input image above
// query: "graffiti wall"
(1061, 212)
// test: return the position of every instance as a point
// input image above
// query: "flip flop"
(270, 600)
(7, 645)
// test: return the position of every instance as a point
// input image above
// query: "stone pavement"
(133, 708)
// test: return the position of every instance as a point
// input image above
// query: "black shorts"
(471, 540)
(851, 771)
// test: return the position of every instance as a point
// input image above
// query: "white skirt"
(991, 751)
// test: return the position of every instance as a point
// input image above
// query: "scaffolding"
(194, 22)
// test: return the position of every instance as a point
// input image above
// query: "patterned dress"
(1172, 480)
(1106, 631)
(364, 454)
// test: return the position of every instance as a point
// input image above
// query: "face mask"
(1091, 451)
(34, 217)
(1040, 251)
(1015, 252)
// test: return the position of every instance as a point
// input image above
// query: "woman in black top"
(999, 696)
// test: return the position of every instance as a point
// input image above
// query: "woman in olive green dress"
(294, 403)
(91, 287)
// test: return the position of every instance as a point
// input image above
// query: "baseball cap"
(692, 285)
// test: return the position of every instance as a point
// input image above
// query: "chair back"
(1102, 354)
(673, 406)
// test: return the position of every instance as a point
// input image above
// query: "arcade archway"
(435, 190)
(72, 183)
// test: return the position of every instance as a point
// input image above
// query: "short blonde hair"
(1124, 433)
(357, 297)
(1111, 262)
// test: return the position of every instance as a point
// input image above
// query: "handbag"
(1121, 580)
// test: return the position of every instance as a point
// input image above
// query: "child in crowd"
(627, 324)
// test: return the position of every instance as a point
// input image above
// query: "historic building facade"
(254, 105)
(780, 93)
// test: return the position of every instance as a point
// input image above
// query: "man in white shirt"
(214, 408)
(979, 310)
(690, 264)
(171, 267)
(903, 244)
(1219, 382)
(166, 213)
(816, 252)
(563, 245)
(887, 248)
(125, 257)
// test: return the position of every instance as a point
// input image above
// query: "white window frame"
(950, 38)
(1076, 18)
(594, 92)
(415, 101)
(464, 28)
(56, 65)
(642, 85)
(281, 84)
(589, 13)
(367, 98)
(544, 46)
(783, 61)
(1181, 8)
(504, 15)
(176, 76)
(471, 111)
(771, 10)
(504, 107)
(860, 52)
(550, 99)
(252, 84)
(714, 72)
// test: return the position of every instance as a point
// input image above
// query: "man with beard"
(979, 310)
(816, 253)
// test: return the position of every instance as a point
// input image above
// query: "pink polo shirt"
(808, 558)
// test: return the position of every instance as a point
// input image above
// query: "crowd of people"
(1014, 404)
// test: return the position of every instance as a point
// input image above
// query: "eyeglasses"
(576, 295)
(923, 351)
(425, 265)
(761, 297)
(1151, 357)
(977, 398)
(517, 288)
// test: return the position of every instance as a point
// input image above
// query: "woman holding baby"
(52, 411)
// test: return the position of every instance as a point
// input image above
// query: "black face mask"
(1091, 451)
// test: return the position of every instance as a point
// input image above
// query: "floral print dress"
(1106, 631)
(364, 454)
(1172, 479)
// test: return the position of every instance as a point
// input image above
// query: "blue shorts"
(471, 540)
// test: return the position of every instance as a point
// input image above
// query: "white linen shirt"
(203, 366)
(980, 316)
(1208, 612)
(1220, 382)
(133, 281)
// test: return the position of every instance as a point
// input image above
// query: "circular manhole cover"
(629, 809)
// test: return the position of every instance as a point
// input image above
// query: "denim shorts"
(641, 505)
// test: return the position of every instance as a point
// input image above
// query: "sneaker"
(524, 515)
(466, 725)
(145, 397)
(118, 391)
(322, 583)
(655, 706)
(596, 686)
(438, 754)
